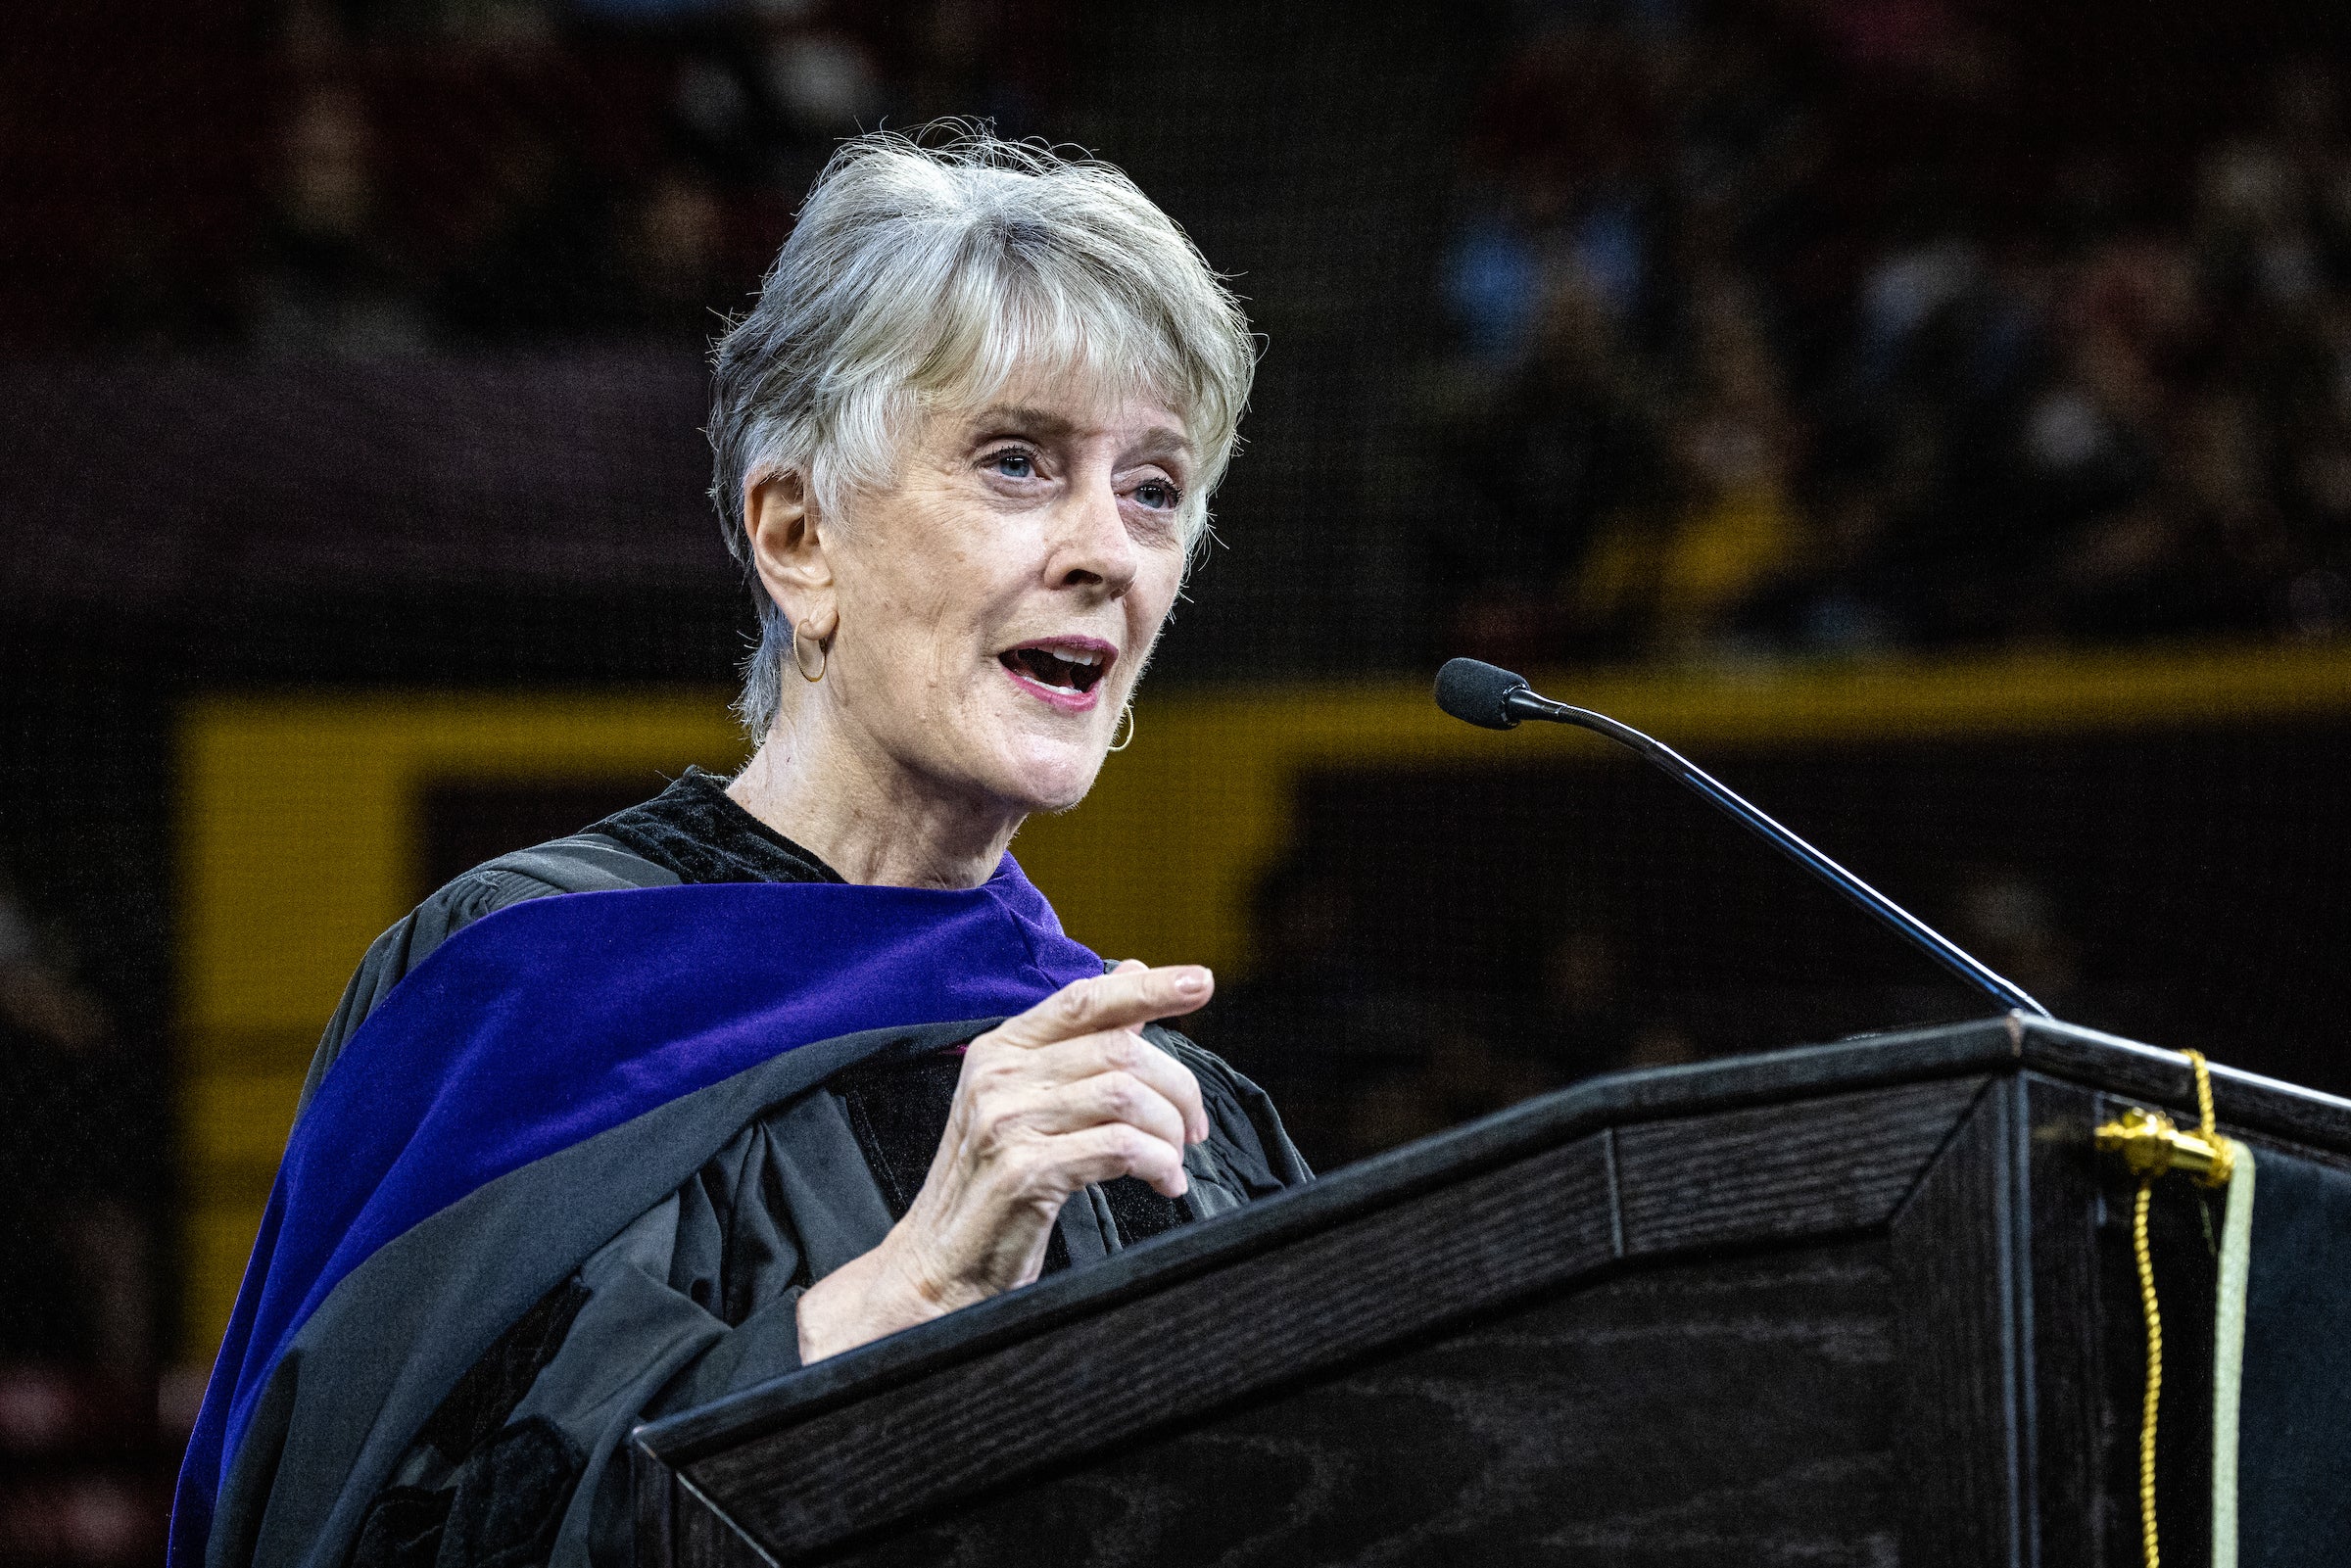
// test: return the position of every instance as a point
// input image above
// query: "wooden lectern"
(1857, 1304)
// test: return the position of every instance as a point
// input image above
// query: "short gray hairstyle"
(920, 272)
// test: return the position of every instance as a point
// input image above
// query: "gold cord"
(2150, 1145)
(2195, 1061)
(2146, 1428)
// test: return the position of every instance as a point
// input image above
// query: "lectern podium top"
(1945, 1175)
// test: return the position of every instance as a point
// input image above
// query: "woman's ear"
(788, 551)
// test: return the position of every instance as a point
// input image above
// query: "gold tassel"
(2150, 1144)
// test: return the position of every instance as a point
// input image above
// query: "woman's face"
(997, 605)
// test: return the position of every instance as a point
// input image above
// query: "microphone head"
(1478, 693)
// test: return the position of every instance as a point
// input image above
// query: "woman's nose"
(1095, 545)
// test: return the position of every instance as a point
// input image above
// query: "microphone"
(1494, 698)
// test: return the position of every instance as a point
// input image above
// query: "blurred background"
(1934, 415)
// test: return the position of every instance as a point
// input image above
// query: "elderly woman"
(817, 1063)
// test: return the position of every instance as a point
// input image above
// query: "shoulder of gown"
(579, 864)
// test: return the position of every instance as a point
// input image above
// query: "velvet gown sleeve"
(581, 863)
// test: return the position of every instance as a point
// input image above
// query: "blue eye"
(1158, 494)
(1014, 465)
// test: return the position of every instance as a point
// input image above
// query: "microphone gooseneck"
(1494, 698)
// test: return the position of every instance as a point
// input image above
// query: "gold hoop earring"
(800, 660)
(1126, 716)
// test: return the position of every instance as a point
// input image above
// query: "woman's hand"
(1066, 1094)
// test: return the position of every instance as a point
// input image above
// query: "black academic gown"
(521, 1461)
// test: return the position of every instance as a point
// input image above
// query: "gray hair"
(919, 272)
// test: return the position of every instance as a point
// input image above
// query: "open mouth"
(1070, 667)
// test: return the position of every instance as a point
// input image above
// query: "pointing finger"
(1132, 994)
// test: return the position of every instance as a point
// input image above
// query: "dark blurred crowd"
(1769, 338)
(83, 1470)
(447, 174)
(1774, 326)
(1362, 1059)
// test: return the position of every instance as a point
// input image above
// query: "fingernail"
(1192, 983)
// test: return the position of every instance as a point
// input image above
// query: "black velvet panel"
(1139, 1210)
(500, 1509)
(694, 829)
(403, 1528)
(898, 1107)
(510, 1497)
(487, 1395)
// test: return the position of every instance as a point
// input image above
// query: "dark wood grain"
(1748, 1177)
(1957, 1264)
(1732, 1178)
(1158, 1359)
(1719, 1410)
(707, 1538)
(653, 1486)
(1366, 1188)
(2075, 1518)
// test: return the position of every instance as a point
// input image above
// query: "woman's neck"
(867, 818)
